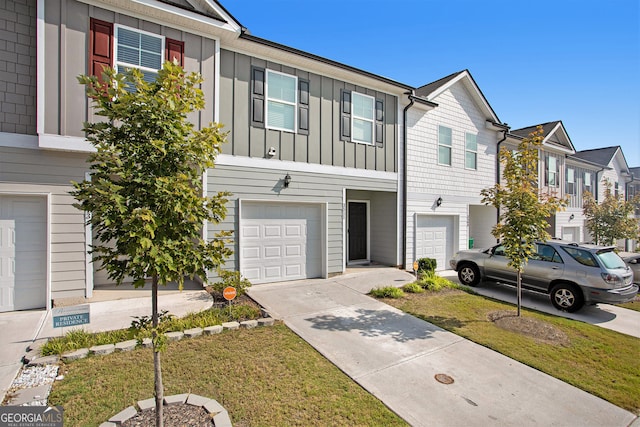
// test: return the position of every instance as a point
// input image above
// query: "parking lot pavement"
(604, 315)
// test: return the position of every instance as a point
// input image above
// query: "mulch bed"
(529, 326)
(181, 415)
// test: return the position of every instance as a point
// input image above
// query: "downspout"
(404, 180)
(504, 138)
(597, 184)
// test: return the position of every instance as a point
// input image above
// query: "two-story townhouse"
(312, 158)
(613, 170)
(451, 156)
(45, 46)
(633, 189)
(312, 162)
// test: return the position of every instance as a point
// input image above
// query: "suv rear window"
(610, 259)
(582, 256)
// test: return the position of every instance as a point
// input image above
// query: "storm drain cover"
(444, 379)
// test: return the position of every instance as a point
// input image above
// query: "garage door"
(23, 252)
(571, 234)
(280, 241)
(434, 239)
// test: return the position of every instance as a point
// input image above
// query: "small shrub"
(387, 292)
(230, 278)
(433, 282)
(427, 265)
(412, 288)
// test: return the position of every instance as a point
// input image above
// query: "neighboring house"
(614, 169)
(633, 189)
(44, 246)
(451, 156)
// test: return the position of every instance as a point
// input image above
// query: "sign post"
(229, 293)
(415, 268)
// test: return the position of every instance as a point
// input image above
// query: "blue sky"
(572, 60)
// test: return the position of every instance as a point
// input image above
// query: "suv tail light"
(613, 280)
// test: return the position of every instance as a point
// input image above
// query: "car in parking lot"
(633, 261)
(572, 274)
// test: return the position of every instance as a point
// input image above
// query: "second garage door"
(280, 241)
(434, 238)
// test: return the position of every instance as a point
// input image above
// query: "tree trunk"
(157, 371)
(519, 291)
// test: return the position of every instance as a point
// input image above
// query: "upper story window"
(362, 110)
(361, 118)
(571, 181)
(279, 101)
(616, 188)
(444, 145)
(471, 151)
(552, 171)
(587, 182)
(282, 98)
(139, 49)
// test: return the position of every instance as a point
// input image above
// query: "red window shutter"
(100, 46)
(174, 50)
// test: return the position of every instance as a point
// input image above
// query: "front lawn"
(264, 377)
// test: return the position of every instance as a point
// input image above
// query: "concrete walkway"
(397, 357)
(112, 309)
(604, 315)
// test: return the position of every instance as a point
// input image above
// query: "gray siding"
(38, 171)
(262, 184)
(18, 67)
(66, 57)
(323, 144)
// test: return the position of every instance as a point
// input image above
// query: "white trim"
(40, 67)
(88, 241)
(65, 143)
(216, 81)
(232, 25)
(324, 214)
(291, 166)
(368, 256)
(450, 146)
(344, 229)
(466, 150)
(18, 140)
(280, 101)
(478, 94)
(117, 64)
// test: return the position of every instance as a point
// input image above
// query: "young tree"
(145, 195)
(524, 209)
(612, 219)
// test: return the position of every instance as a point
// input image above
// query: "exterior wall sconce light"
(287, 180)
(571, 217)
(438, 201)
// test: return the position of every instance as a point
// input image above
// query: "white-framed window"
(571, 181)
(471, 151)
(552, 171)
(616, 189)
(138, 49)
(363, 116)
(444, 145)
(282, 99)
(587, 182)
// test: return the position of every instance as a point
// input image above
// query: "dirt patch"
(535, 328)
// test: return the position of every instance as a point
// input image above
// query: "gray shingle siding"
(18, 67)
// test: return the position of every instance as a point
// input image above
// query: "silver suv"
(571, 274)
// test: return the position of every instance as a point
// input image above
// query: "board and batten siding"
(26, 171)
(266, 184)
(66, 57)
(322, 145)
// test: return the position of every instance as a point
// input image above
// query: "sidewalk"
(397, 357)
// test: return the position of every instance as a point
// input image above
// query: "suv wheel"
(469, 275)
(567, 297)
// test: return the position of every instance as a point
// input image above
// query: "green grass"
(264, 377)
(600, 361)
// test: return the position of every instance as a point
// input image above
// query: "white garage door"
(571, 234)
(23, 253)
(434, 239)
(280, 241)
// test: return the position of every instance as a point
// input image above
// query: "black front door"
(357, 231)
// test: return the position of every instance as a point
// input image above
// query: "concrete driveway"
(400, 360)
(604, 315)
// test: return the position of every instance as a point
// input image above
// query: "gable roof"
(601, 156)
(555, 135)
(432, 90)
